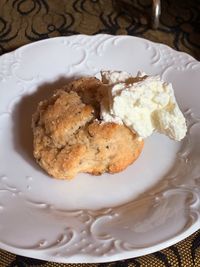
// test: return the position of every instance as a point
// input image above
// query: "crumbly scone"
(69, 138)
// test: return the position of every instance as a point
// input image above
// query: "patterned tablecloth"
(26, 21)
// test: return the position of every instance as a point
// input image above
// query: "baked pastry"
(69, 137)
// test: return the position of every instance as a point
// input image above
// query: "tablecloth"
(26, 21)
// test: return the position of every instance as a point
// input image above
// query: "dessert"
(70, 138)
(98, 126)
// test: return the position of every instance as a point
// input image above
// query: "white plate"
(151, 205)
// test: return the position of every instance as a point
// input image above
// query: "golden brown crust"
(69, 138)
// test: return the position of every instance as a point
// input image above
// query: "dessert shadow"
(22, 117)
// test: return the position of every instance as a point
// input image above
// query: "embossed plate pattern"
(151, 205)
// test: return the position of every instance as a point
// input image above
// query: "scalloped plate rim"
(134, 252)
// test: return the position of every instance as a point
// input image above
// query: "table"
(26, 21)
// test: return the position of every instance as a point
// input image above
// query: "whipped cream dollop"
(145, 104)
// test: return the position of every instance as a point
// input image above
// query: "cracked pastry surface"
(69, 137)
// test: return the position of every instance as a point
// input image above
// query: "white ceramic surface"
(152, 204)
